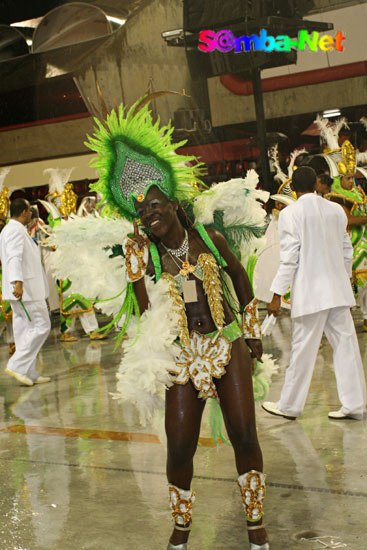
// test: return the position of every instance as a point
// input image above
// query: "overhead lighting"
(116, 20)
(30, 23)
(29, 41)
(330, 113)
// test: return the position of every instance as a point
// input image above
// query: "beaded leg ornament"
(252, 487)
(181, 502)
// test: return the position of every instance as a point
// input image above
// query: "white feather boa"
(80, 255)
(147, 361)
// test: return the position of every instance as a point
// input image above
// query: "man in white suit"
(316, 257)
(24, 281)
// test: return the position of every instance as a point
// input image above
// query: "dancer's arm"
(139, 285)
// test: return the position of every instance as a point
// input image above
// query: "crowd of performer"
(191, 265)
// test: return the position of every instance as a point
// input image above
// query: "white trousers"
(362, 299)
(338, 326)
(87, 320)
(29, 336)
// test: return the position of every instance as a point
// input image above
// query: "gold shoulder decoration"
(213, 288)
(180, 307)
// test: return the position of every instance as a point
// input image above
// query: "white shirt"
(316, 256)
(21, 261)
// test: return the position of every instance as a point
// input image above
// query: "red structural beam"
(238, 86)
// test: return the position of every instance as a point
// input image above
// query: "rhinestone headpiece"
(135, 174)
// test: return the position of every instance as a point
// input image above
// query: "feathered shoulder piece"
(134, 153)
(233, 208)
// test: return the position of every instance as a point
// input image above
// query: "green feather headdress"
(133, 155)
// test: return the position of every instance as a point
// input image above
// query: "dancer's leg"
(183, 417)
(237, 403)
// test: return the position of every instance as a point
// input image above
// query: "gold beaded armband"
(250, 319)
(136, 260)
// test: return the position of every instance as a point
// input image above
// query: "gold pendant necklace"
(186, 267)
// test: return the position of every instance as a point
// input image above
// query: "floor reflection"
(77, 471)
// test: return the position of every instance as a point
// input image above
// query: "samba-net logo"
(225, 41)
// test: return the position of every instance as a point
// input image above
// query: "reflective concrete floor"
(77, 472)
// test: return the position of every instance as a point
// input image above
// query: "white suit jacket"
(316, 256)
(21, 261)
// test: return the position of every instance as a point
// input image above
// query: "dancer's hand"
(256, 348)
(274, 306)
(18, 290)
(140, 240)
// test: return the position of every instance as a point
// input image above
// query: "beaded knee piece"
(252, 487)
(181, 502)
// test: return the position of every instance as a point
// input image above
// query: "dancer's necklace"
(183, 249)
(186, 267)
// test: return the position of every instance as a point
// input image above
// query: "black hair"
(17, 206)
(325, 179)
(34, 213)
(304, 179)
(319, 164)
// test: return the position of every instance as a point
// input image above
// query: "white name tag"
(189, 291)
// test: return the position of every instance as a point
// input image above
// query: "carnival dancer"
(144, 179)
(189, 331)
(343, 162)
(316, 257)
(37, 227)
(269, 254)
(61, 203)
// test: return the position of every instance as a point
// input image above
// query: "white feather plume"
(147, 362)
(57, 178)
(293, 156)
(339, 124)
(330, 131)
(263, 375)
(3, 173)
(80, 255)
(363, 120)
(274, 157)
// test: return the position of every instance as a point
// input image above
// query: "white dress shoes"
(22, 378)
(272, 408)
(42, 380)
(264, 546)
(182, 546)
(338, 415)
